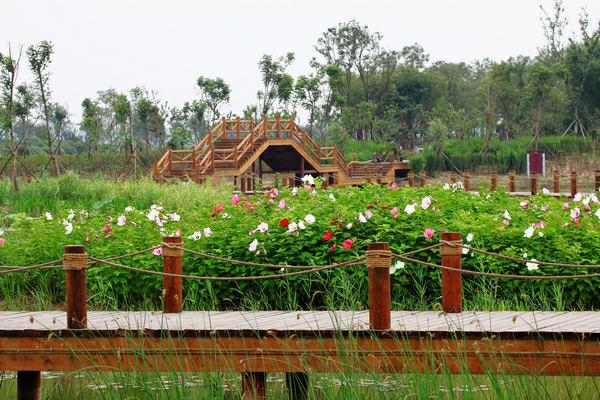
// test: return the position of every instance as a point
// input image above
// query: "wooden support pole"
(534, 184)
(379, 260)
(411, 179)
(297, 384)
(423, 179)
(172, 286)
(29, 385)
(511, 181)
(452, 177)
(555, 181)
(243, 184)
(254, 385)
(451, 280)
(573, 183)
(597, 181)
(494, 181)
(75, 264)
(466, 181)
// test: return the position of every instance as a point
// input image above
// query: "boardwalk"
(307, 322)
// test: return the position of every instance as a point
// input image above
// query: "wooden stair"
(232, 146)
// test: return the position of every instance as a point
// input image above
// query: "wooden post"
(597, 181)
(452, 177)
(297, 384)
(533, 182)
(75, 264)
(494, 181)
(511, 181)
(555, 181)
(170, 159)
(411, 179)
(423, 180)
(254, 385)
(172, 286)
(29, 385)
(451, 280)
(466, 181)
(573, 183)
(379, 260)
(243, 184)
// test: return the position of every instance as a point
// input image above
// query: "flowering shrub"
(312, 226)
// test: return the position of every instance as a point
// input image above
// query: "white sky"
(166, 45)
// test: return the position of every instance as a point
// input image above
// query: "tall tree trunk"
(54, 160)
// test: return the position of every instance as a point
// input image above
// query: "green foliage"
(31, 238)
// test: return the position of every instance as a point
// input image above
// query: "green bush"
(31, 238)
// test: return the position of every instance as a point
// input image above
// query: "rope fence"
(306, 269)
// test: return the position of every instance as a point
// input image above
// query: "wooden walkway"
(306, 322)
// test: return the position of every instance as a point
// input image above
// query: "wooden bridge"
(244, 151)
(377, 340)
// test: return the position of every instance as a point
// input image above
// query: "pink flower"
(565, 206)
(157, 251)
(281, 203)
(506, 222)
(394, 185)
(575, 213)
(428, 233)
(524, 205)
(2, 240)
(121, 220)
(275, 192)
(327, 235)
(565, 224)
(587, 207)
(107, 236)
(347, 244)
(307, 187)
(235, 199)
(271, 201)
(368, 214)
(106, 228)
(539, 224)
(109, 218)
(394, 212)
(544, 207)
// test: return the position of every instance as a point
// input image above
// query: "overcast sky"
(165, 45)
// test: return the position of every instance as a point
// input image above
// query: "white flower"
(294, 191)
(446, 186)
(331, 197)
(68, 227)
(575, 213)
(174, 217)
(409, 209)
(525, 255)
(208, 232)
(540, 234)
(465, 250)
(532, 265)
(262, 227)
(362, 218)
(577, 197)
(1, 232)
(153, 215)
(470, 237)
(349, 226)
(128, 209)
(225, 215)
(121, 220)
(313, 192)
(71, 215)
(310, 219)
(426, 202)
(506, 215)
(48, 216)
(253, 245)
(397, 265)
(196, 236)
(545, 191)
(528, 232)
(368, 214)
(597, 213)
(292, 227)
(308, 179)
(301, 225)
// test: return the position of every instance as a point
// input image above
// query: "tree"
(24, 104)
(277, 84)
(308, 93)
(214, 92)
(8, 75)
(91, 123)
(39, 57)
